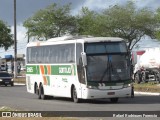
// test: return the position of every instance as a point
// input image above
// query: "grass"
(20, 80)
(4, 108)
(20, 77)
(147, 87)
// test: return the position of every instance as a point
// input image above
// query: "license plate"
(6, 82)
(111, 93)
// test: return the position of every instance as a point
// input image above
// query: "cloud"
(21, 33)
(97, 5)
(26, 8)
(21, 38)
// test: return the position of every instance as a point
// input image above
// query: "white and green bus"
(79, 67)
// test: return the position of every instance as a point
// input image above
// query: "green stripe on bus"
(55, 69)
(45, 70)
(37, 69)
(48, 80)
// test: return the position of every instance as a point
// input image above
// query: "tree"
(51, 22)
(127, 22)
(86, 21)
(157, 17)
(6, 38)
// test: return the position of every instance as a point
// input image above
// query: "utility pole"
(28, 36)
(15, 41)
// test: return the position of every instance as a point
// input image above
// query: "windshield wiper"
(109, 69)
(106, 70)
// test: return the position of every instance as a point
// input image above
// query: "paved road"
(18, 98)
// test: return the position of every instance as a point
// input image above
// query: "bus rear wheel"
(36, 90)
(74, 95)
(41, 93)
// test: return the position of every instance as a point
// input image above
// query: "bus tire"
(114, 100)
(41, 93)
(36, 90)
(74, 95)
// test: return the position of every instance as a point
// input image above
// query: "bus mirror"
(84, 58)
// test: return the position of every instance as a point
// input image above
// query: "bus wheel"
(36, 89)
(114, 100)
(74, 95)
(41, 93)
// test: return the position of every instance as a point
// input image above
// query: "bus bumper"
(97, 93)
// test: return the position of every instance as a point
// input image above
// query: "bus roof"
(85, 38)
(73, 39)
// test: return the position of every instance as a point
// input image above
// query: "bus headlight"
(92, 87)
(11, 79)
(126, 85)
(0, 80)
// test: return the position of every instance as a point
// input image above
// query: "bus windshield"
(103, 48)
(107, 62)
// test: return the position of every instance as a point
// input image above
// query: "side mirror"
(84, 58)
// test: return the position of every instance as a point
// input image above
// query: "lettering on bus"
(65, 70)
(29, 69)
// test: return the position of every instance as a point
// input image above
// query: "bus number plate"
(111, 93)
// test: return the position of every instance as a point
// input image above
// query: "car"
(6, 79)
(3, 67)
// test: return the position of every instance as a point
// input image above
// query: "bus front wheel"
(74, 95)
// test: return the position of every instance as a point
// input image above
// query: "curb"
(19, 84)
(146, 93)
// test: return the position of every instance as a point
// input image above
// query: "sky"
(27, 8)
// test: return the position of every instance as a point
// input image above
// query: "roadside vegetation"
(20, 80)
(4, 108)
(147, 87)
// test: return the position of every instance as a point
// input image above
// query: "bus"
(79, 67)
